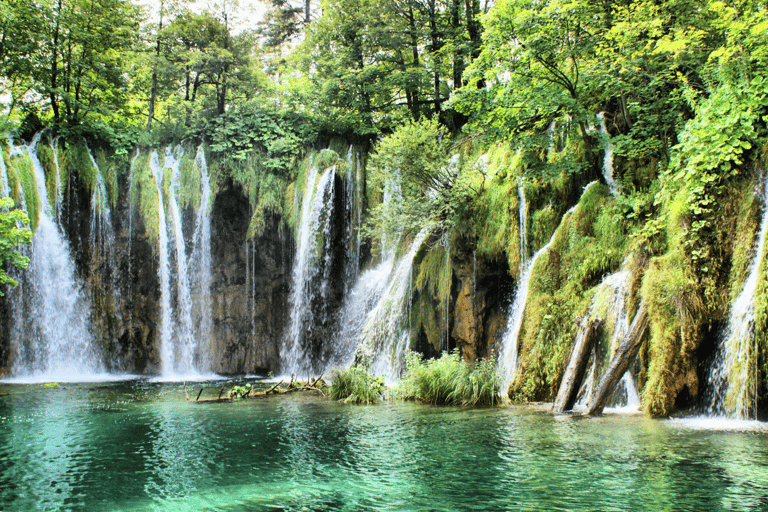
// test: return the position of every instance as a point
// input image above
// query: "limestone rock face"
(250, 288)
(481, 300)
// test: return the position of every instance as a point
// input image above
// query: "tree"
(11, 236)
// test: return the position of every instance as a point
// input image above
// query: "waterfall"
(507, 365)
(508, 355)
(734, 374)
(353, 215)
(51, 339)
(184, 281)
(384, 338)
(313, 237)
(608, 157)
(166, 311)
(201, 276)
(5, 189)
(522, 215)
(358, 303)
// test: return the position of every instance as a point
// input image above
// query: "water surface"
(139, 446)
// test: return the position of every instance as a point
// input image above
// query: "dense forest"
(489, 123)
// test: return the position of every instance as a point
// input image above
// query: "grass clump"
(356, 384)
(448, 380)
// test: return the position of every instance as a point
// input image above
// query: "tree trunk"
(415, 106)
(153, 91)
(625, 355)
(589, 329)
(55, 65)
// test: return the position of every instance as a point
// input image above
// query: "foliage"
(711, 152)
(11, 237)
(240, 391)
(448, 380)
(356, 384)
(426, 188)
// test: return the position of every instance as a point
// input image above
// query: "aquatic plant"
(356, 384)
(448, 380)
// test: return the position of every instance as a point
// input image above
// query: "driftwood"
(251, 393)
(273, 388)
(589, 329)
(625, 355)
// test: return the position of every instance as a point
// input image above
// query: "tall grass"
(449, 380)
(356, 384)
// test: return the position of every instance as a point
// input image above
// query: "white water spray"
(384, 337)
(186, 322)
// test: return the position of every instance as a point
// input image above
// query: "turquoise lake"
(139, 446)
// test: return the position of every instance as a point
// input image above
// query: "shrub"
(449, 380)
(356, 384)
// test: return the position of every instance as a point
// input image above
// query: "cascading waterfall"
(507, 365)
(201, 276)
(51, 338)
(608, 157)
(184, 281)
(508, 353)
(164, 270)
(313, 236)
(384, 338)
(610, 303)
(358, 303)
(734, 372)
(522, 209)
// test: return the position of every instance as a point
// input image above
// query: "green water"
(140, 446)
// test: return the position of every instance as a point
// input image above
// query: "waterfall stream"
(313, 235)
(608, 157)
(5, 189)
(384, 338)
(734, 372)
(507, 361)
(51, 337)
(185, 280)
(610, 304)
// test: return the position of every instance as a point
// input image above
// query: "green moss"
(46, 157)
(78, 162)
(498, 223)
(145, 197)
(25, 173)
(190, 182)
(675, 312)
(562, 285)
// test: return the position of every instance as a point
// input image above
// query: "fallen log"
(273, 388)
(589, 330)
(624, 356)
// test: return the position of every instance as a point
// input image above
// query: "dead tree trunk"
(625, 355)
(589, 328)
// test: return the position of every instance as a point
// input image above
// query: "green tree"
(11, 236)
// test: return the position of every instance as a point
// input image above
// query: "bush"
(450, 381)
(356, 384)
